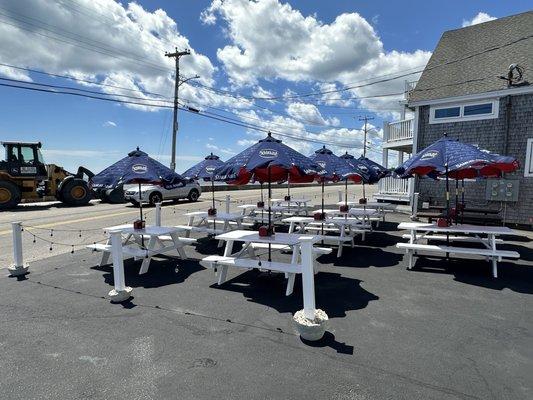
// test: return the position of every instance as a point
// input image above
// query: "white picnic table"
(155, 238)
(485, 235)
(365, 215)
(301, 262)
(381, 207)
(124, 242)
(253, 213)
(201, 221)
(344, 229)
(301, 204)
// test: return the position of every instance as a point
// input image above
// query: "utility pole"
(176, 55)
(366, 119)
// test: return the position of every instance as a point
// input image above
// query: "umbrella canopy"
(368, 174)
(456, 160)
(137, 167)
(335, 168)
(204, 169)
(269, 160)
(379, 169)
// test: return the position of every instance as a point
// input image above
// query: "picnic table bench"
(345, 229)
(471, 217)
(157, 237)
(301, 261)
(465, 233)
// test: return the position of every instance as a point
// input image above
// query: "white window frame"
(528, 167)
(494, 114)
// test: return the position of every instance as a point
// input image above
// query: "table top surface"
(218, 216)
(352, 211)
(293, 200)
(225, 216)
(149, 230)
(332, 220)
(460, 228)
(368, 204)
(278, 238)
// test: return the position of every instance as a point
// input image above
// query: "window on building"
(447, 112)
(476, 109)
(464, 112)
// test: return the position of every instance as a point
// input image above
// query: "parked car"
(155, 194)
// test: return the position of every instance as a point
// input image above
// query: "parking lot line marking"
(73, 221)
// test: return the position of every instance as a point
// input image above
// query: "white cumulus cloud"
(478, 19)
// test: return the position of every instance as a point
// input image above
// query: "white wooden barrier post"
(310, 322)
(227, 203)
(340, 196)
(121, 292)
(308, 278)
(158, 214)
(18, 268)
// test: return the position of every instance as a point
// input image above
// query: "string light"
(51, 232)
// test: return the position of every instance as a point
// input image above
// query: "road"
(52, 229)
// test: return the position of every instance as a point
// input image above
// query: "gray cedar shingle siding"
(479, 73)
(488, 134)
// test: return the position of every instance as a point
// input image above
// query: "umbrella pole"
(141, 212)
(213, 191)
(322, 212)
(269, 212)
(213, 199)
(462, 200)
(262, 201)
(346, 192)
(447, 207)
(456, 200)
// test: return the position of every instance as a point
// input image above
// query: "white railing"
(391, 185)
(399, 130)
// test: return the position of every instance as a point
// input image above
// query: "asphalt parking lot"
(446, 330)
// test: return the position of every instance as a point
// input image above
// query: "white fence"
(393, 186)
(399, 130)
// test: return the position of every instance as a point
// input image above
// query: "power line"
(203, 114)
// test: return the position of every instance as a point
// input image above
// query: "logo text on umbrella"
(268, 153)
(139, 168)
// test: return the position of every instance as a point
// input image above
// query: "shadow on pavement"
(335, 294)
(328, 340)
(513, 276)
(162, 272)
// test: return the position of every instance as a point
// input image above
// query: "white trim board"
(476, 96)
(528, 167)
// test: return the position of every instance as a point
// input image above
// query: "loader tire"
(10, 195)
(75, 192)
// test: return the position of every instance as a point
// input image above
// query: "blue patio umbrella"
(369, 175)
(139, 168)
(269, 160)
(379, 169)
(335, 168)
(205, 170)
(453, 159)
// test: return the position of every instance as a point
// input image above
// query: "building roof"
(470, 60)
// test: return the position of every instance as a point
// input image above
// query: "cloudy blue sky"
(244, 52)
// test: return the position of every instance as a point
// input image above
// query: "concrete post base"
(120, 295)
(311, 330)
(18, 270)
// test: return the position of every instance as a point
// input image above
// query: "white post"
(340, 196)
(121, 292)
(227, 203)
(308, 278)
(415, 207)
(18, 268)
(158, 214)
